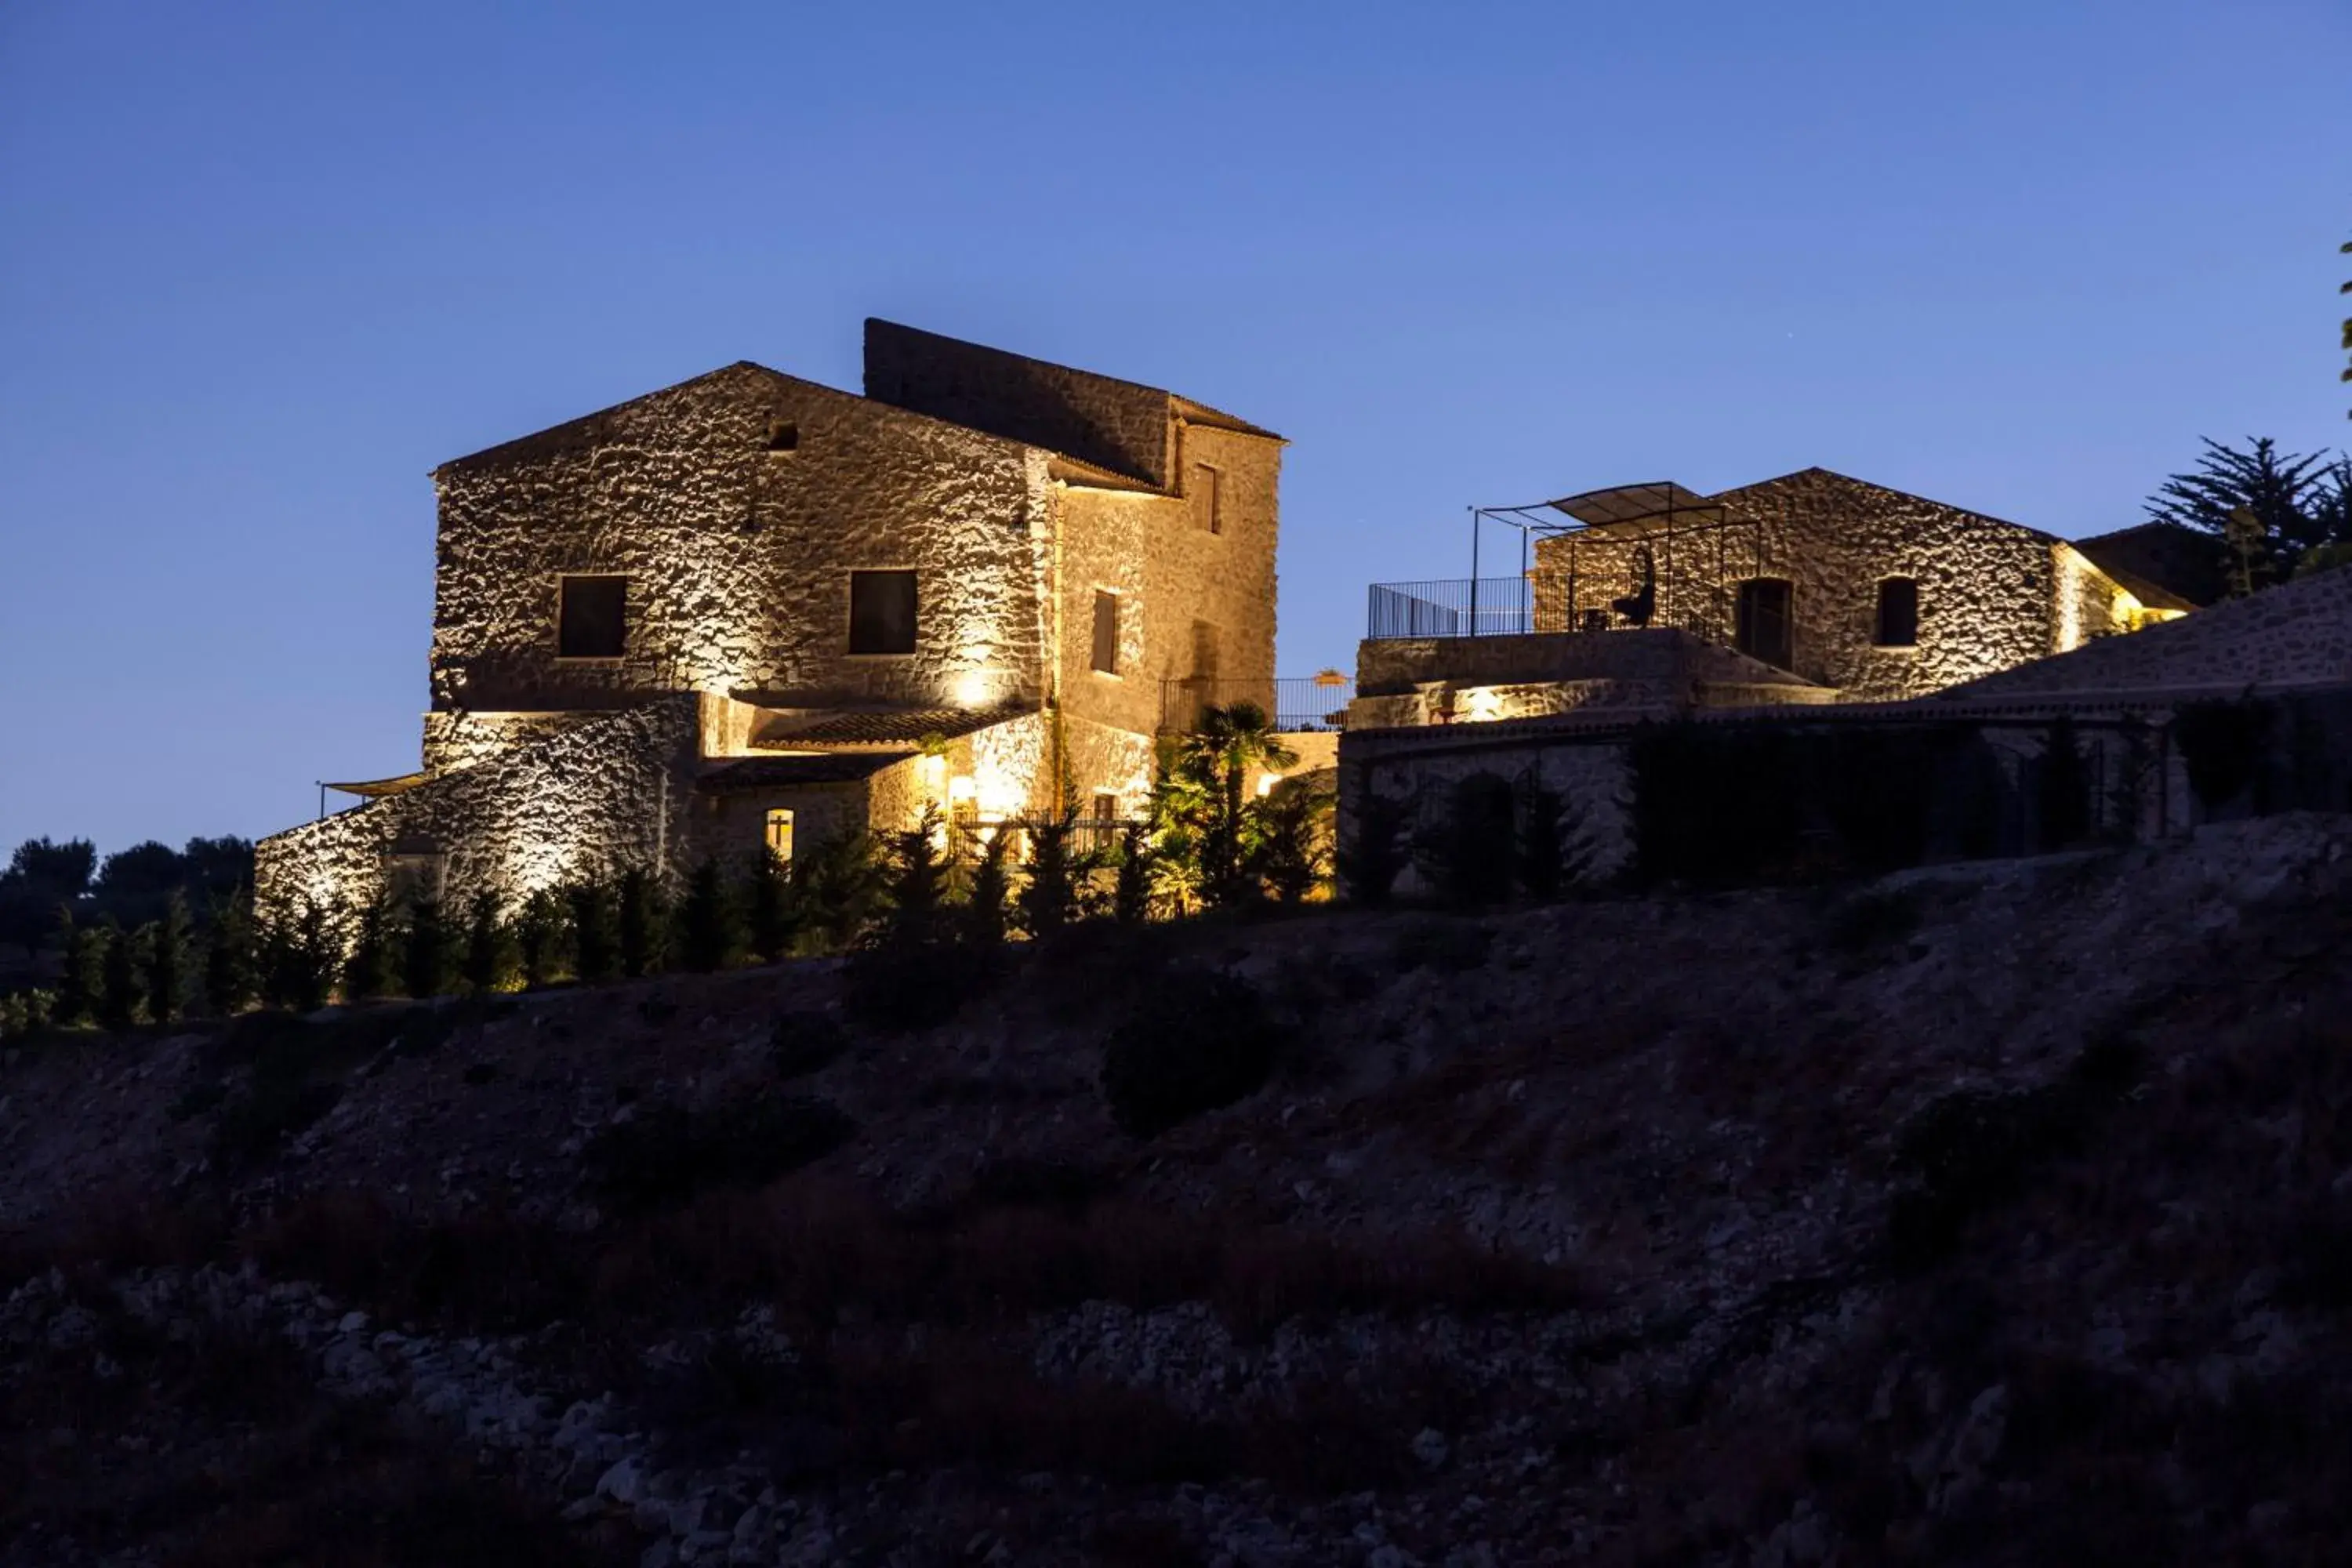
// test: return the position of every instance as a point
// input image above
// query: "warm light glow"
(975, 689)
(780, 834)
(962, 787)
(1265, 782)
(1481, 703)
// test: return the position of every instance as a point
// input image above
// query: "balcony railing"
(1458, 607)
(1301, 702)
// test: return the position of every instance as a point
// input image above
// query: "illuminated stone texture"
(1993, 595)
(737, 506)
(2297, 634)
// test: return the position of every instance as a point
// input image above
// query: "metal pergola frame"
(1659, 504)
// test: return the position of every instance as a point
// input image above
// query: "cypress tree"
(425, 950)
(768, 916)
(1130, 893)
(78, 983)
(490, 946)
(707, 937)
(640, 921)
(539, 932)
(991, 888)
(1049, 900)
(595, 949)
(228, 955)
(368, 969)
(119, 990)
(167, 961)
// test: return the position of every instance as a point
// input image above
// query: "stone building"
(750, 608)
(1866, 591)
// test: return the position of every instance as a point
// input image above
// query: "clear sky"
(261, 267)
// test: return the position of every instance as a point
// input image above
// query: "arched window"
(1762, 630)
(1898, 613)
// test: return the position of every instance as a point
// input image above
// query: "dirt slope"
(1989, 1214)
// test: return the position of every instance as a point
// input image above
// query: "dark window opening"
(1106, 807)
(1106, 650)
(591, 621)
(881, 612)
(1898, 613)
(1763, 631)
(783, 436)
(1206, 502)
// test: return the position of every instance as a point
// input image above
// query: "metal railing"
(968, 839)
(1457, 608)
(1294, 702)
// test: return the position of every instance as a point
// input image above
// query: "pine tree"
(707, 937)
(299, 951)
(168, 945)
(1286, 849)
(120, 982)
(2267, 507)
(228, 955)
(1054, 894)
(917, 881)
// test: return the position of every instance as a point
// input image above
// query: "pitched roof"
(2164, 565)
(880, 726)
(780, 773)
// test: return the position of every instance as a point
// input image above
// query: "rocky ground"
(1994, 1213)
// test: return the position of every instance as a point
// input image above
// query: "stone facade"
(2295, 635)
(734, 508)
(1991, 594)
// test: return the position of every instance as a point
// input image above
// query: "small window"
(881, 612)
(1204, 650)
(591, 620)
(1207, 503)
(1898, 613)
(783, 435)
(415, 872)
(1105, 807)
(1106, 657)
(780, 835)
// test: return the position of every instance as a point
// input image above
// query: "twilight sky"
(261, 267)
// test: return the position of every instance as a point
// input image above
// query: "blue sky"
(261, 267)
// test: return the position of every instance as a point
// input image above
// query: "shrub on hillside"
(664, 1154)
(1191, 1042)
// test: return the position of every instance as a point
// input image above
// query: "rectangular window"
(1105, 631)
(1898, 613)
(1204, 651)
(1207, 504)
(881, 612)
(1105, 807)
(780, 835)
(591, 619)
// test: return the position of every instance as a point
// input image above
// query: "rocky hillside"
(1995, 1213)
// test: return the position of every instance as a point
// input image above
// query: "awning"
(1635, 503)
(376, 789)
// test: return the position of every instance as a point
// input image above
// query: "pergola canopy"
(1634, 503)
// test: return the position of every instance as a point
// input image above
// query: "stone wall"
(455, 739)
(1993, 595)
(611, 792)
(2297, 634)
(1171, 572)
(1421, 767)
(739, 556)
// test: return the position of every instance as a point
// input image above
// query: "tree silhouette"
(2268, 506)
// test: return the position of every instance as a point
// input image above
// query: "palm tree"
(1210, 792)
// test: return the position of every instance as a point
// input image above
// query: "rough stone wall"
(1591, 778)
(1112, 424)
(455, 739)
(739, 557)
(611, 792)
(2299, 633)
(1157, 554)
(1990, 592)
(1389, 664)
